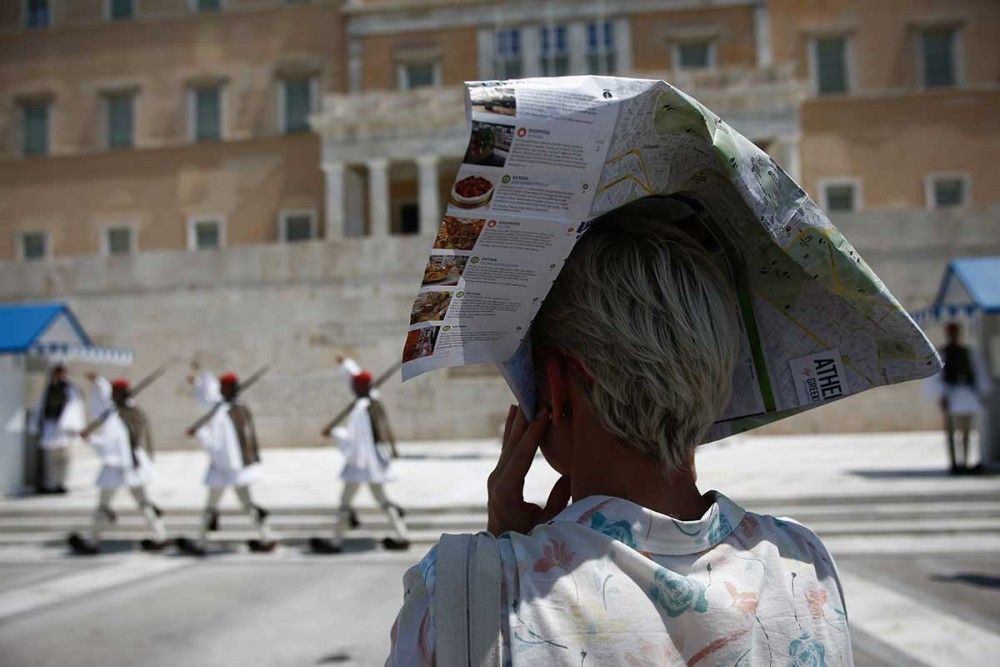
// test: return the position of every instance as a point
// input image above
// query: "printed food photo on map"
(430, 306)
(444, 270)
(489, 144)
(472, 191)
(496, 100)
(458, 233)
(420, 343)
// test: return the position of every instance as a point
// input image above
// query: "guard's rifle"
(240, 388)
(382, 379)
(132, 393)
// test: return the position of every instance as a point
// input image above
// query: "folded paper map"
(548, 156)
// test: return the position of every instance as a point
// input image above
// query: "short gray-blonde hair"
(645, 308)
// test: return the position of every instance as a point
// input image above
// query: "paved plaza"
(917, 549)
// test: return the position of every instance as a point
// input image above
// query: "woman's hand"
(507, 509)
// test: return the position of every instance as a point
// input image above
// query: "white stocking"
(395, 520)
(154, 522)
(344, 515)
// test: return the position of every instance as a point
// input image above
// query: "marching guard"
(364, 440)
(122, 438)
(228, 434)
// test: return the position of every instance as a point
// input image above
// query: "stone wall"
(297, 306)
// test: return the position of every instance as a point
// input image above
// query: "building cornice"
(160, 18)
(398, 17)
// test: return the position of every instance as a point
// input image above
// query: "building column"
(378, 196)
(623, 46)
(335, 199)
(355, 65)
(531, 51)
(430, 194)
(762, 35)
(576, 42)
(486, 49)
(791, 160)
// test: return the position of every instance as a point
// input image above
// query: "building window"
(206, 233)
(419, 74)
(34, 246)
(297, 100)
(206, 113)
(119, 240)
(947, 191)
(509, 61)
(829, 61)
(694, 54)
(555, 55)
(206, 5)
(841, 196)
(298, 226)
(121, 125)
(601, 48)
(121, 10)
(38, 13)
(938, 57)
(409, 218)
(35, 128)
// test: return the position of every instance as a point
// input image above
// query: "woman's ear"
(558, 384)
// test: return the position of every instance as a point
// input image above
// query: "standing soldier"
(364, 440)
(60, 417)
(960, 388)
(122, 438)
(228, 435)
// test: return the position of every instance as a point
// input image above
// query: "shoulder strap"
(484, 601)
(467, 601)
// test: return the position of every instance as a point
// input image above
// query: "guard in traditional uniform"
(230, 438)
(961, 389)
(367, 442)
(60, 418)
(124, 442)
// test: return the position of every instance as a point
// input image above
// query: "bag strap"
(467, 601)
(484, 601)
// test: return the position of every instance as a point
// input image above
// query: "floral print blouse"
(608, 582)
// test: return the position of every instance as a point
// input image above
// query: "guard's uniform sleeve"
(412, 634)
(100, 397)
(147, 434)
(252, 433)
(206, 389)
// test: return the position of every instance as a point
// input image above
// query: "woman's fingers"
(523, 452)
(512, 434)
(511, 414)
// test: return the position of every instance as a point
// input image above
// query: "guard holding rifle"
(367, 443)
(228, 434)
(122, 437)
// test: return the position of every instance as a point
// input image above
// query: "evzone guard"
(228, 434)
(60, 416)
(121, 435)
(364, 440)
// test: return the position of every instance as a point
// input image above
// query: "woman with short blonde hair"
(634, 350)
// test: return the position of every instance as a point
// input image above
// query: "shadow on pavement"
(901, 474)
(971, 578)
(446, 457)
(922, 473)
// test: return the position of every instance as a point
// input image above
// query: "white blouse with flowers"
(608, 582)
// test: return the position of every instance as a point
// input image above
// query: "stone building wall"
(298, 306)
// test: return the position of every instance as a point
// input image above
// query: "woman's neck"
(604, 465)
